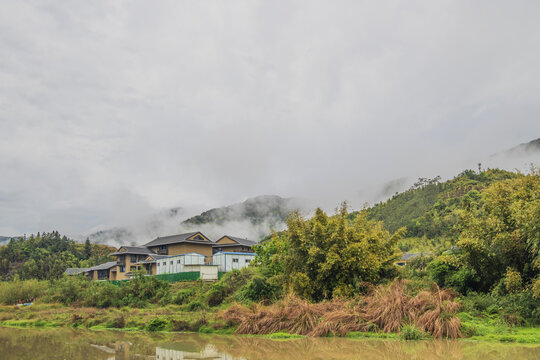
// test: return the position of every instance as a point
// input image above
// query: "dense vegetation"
(428, 208)
(480, 267)
(47, 255)
(329, 256)
(491, 228)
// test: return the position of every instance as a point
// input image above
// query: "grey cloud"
(113, 111)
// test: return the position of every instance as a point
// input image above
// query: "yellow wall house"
(131, 258)
(194, 242)
(233, 244)
(101, 271)
(149, 263)
(127, 260)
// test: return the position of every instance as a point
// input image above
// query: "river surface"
(76, 344)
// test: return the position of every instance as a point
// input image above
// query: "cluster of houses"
(191, 252)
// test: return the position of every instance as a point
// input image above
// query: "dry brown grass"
(435, 312)
(387, 308)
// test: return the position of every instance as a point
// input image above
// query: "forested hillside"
(47, 255)
(269, 209)
(428, 208)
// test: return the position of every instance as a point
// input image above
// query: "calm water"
(74, 344)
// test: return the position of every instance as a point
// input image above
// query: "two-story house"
(195, 242)
(233, 244)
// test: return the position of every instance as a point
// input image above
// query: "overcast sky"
(112, 110)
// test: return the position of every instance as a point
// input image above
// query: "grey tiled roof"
(75, 271)
(409, 256)
(173, 239)
(138, 250)
(104, 266)
(240, 241)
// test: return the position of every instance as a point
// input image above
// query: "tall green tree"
(502, 235)
(328, 256)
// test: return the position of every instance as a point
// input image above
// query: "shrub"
(14, 291)
(117, 322)
(102, 294)
(183, 296)
(257, 289)
(157, 324)
(411, 332)
(68, 289)
(523, 305)
(216, 294)
(194, 306)
(513, 281)
(180, 325)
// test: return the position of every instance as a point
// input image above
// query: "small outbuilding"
(227, 261)
(175, 263)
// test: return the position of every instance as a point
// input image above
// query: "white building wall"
(231, 261)
(175, 264)
(207, 272)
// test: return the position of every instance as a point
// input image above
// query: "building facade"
(175, 254)
(228, 261)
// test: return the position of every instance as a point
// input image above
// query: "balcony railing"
(163, 252)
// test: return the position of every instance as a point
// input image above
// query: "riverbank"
(67, 343)
(173, 318)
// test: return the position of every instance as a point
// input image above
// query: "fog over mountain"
(253, 219)
(114, 112)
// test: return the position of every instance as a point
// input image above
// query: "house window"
(132, 268)
(133, 258)
(172, 262)
(164, 263)
(248, 261)
(157, 264)
(235, 260)
(162, 247)
(122, 268)
(178, 261)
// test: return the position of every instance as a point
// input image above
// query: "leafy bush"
(118, 322)
(411, 332)
(102, 295)
(68, 289)
(475, 303)
(157, 324)
(183, 296)
(194, 306)
(14, 291)
(523, 306)
(216, 294)
(257, 289)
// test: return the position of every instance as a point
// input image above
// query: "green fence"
(183, 276)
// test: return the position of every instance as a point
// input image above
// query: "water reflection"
(73, 344)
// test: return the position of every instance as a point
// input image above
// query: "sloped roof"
(157, 256)
(409, 256)
(234, 253)
(75, 271)
(173, 239)
(137, 250)
(240, 241)
(104, 266)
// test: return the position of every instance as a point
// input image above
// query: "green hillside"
(47, 255)
(427, 209)
(269, 209)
